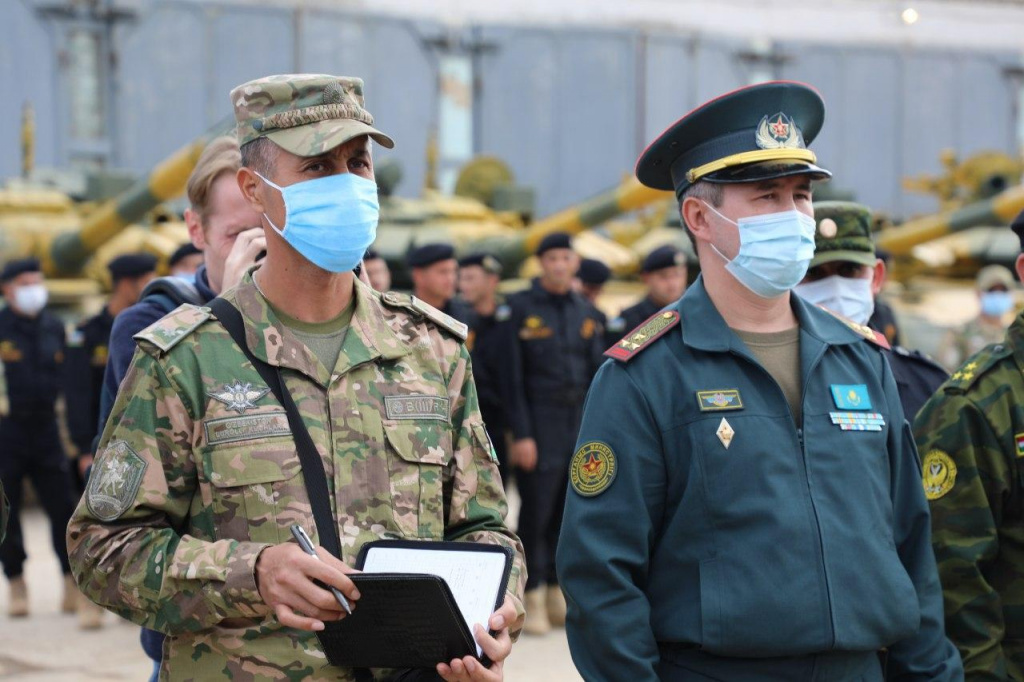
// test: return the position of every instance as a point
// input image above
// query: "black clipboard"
(406, 620)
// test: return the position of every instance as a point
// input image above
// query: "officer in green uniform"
(971, 439)
(744, 502)
(184, 526)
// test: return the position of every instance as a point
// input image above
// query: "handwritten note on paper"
(473, 577)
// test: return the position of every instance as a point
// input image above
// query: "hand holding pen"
(287, 578)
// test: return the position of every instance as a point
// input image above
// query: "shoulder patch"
(593, 469)
(938, 475)
(114, 481)
(875, 337)
(423, 309)
(168, 331)
(976, 366)
(643, 336)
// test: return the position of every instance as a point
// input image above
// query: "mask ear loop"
(281, 191)
(733, 222)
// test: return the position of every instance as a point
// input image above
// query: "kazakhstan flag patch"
(851, 396)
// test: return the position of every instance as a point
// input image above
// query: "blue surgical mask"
(850, 297)
(996, 303)
(775, 251)
(331, 221)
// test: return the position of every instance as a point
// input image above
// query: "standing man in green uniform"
(971, 439)
(744, 502)
(184, 526)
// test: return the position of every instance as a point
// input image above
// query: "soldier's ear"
(877, 277)
(249, 183)
(1020, 267)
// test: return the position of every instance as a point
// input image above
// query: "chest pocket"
(417, 455)
(256, 491)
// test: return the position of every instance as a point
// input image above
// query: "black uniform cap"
(428, 254)
(131, 265)
(555, 240)
(751, 134)
(19, 267)
(1018, 227)
(485, 260)
(184, 251)
(593, 271)
(663, 257)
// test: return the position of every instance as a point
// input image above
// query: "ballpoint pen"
(307, 547)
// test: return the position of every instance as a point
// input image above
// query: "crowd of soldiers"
(719, 482)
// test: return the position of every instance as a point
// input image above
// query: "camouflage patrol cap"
(305, 114)
(843, 234)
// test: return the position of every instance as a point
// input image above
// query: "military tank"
(75, 239)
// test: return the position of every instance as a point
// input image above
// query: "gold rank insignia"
(632, 343)
(938, 475)
(593, 469)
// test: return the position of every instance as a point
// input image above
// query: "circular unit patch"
(593, 469)
(939, 474)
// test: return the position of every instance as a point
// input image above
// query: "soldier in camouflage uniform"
(971, 439)
(185, 523)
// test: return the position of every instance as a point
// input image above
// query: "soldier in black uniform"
(32, 351)
(479, 274)
(434, 276)
(553, 349)
(592, 276)
(185, 260)
(846, 276)
(88, 348)
(664, 273)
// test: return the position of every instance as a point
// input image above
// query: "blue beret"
(555, 240)
(19, 267)
(484, 260)
(748, 135)
(593, 271)
(663, 257)
(131, 265)
(428, 254)
(184, 251)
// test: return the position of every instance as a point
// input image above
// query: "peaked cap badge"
(778, 131)
(238, 396)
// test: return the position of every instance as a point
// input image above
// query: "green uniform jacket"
(725, 526)
(971, 437)
(198, 472)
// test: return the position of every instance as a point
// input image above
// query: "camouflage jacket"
(971, 438)
(198, 473)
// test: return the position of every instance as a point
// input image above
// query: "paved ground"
(49, 647)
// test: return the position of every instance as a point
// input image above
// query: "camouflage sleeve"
(966, 476)
(477, 508)
(128, 540)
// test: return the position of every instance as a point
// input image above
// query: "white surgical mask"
(845, 296)
(775, 251)
(30, 298)
(996, 303)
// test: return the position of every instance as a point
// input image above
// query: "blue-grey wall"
(568, 109)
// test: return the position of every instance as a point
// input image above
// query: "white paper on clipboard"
(473, 577)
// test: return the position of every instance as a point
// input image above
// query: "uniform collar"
(1015, 338)
(369, 336)
(704, 328)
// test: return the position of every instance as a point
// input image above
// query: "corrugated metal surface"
(568, 109)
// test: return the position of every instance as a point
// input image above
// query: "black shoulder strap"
(312, 466)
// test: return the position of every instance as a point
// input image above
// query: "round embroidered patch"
(939, 474)
(593, 469)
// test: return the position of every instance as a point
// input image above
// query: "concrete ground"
(48, 646)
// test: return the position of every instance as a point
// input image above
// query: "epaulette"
(875, 337)
(166, 332)
(653, 328)
(423, 309)
(976, 366)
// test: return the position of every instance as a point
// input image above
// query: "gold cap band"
(695, 174)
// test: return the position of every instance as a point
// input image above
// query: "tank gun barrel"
(70, 250)
(999, 210)
(623, 198)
